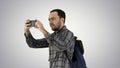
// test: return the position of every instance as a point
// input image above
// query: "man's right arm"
(36, 43)
(40, 43)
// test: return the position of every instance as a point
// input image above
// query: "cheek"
(55, 22)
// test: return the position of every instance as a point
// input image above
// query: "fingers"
(37, 24)
(27, 21)
(27, 24)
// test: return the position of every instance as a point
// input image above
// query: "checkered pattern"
(57, 42)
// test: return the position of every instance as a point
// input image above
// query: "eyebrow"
(51, 18)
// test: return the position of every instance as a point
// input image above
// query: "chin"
(55, 29)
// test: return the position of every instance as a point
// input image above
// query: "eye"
(49, 19)
(52, 19)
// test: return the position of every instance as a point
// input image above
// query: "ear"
(62, 20)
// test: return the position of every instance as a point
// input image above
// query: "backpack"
(78, 60)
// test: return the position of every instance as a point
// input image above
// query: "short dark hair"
(60, 12)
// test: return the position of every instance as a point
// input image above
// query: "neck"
(62, 28)
(62, 25)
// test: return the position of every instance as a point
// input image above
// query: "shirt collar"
(63, 28)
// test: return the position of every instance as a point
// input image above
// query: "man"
(62, 39)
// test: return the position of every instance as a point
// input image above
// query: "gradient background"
(95, 22)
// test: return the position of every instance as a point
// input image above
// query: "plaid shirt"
(57, 42)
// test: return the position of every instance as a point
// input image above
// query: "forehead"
(53, 14)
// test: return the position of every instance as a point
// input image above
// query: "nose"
(50, 21)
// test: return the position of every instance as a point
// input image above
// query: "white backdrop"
(95, 22)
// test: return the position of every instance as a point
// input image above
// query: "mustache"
(51, 24)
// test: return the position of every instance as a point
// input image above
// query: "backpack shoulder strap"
(79, 42)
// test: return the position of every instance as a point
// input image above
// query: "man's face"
(55, 21)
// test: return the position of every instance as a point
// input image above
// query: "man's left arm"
(63, 42)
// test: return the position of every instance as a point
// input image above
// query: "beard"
(55, 27)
